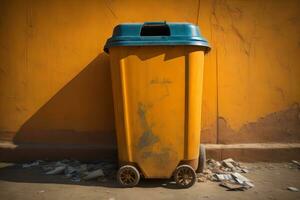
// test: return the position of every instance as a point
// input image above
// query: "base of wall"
(255, 152)
(261, 152)
(10, 152)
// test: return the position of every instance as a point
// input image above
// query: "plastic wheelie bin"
(157, 73)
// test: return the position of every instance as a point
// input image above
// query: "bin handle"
(155, 29)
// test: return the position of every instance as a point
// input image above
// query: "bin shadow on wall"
(78, 121)
(17, 174)
(59, 128)
(87, 100)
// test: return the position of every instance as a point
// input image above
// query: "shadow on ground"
(15, 173)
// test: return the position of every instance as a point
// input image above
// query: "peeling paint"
(281, 126)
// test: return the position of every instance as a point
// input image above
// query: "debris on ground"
(57, 170)
(93, 174)
(293, 189)
(75, 170)
(297, 163)
(223, 177)
(201, 179)
(35, 163)
(228, 172)
(231, 186)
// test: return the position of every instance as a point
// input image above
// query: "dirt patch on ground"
(271, 182)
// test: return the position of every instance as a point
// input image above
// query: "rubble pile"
(228, 173)
(75, 170)
(296, 163)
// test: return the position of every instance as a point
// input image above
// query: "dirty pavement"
(227, 172)
(75, 170)
(225, 179)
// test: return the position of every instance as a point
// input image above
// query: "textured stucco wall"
(55, 79)
(256, 56)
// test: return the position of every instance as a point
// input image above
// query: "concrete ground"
(270, 179)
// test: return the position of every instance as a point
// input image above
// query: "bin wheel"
(202, 159)
(128, 176)
(185, 176)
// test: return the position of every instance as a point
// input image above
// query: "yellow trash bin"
(157, 74)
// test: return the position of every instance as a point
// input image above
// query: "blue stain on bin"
(156, 33)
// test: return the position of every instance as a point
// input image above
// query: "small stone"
(32, 164)
(295, 162)
(94, 174)
(207, 171)
(201, 179)
(293, 189)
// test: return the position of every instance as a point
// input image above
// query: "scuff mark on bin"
(147, 138)
(164, 82)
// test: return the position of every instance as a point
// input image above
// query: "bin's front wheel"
(185, 176)
(128, 176)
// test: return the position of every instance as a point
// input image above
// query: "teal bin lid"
(156, 33)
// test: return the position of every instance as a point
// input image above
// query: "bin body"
(157, 92)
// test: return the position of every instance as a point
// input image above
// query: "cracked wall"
(255, 58)
(55, 80)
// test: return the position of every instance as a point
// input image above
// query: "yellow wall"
(256, 56)
(55, 82)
